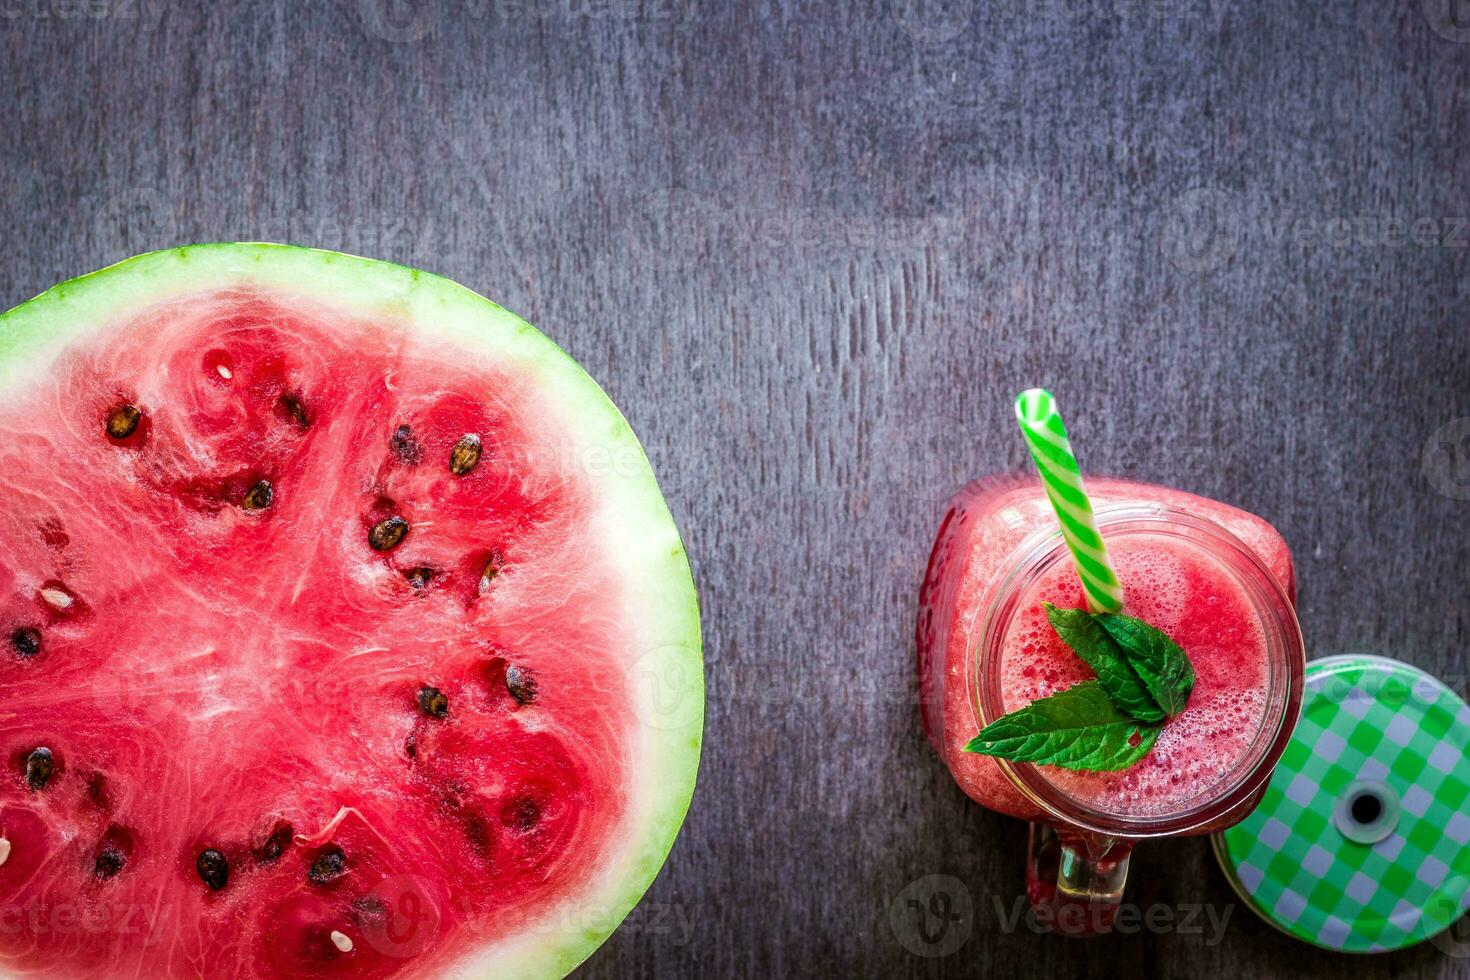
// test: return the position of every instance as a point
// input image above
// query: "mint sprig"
(1163, 667)
(1103, 725)
(1082, 631)
(1079, 728)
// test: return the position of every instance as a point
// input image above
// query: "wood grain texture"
(812, 250)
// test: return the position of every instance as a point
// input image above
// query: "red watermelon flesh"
(325, 692)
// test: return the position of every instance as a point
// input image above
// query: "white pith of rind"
(665, 680)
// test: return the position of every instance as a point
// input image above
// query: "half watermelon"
(345, 631)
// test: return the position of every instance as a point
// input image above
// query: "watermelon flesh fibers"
(317, 641)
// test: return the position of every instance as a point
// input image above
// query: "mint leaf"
(1085, 635)
(1079, 728)
(1163, 667)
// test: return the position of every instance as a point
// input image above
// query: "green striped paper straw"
(1051, 450)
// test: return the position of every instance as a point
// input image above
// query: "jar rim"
(1285, 651)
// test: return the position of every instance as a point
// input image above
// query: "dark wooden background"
(812, 249)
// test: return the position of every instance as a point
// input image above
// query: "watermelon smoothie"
(1218, 580)
(1206, 611)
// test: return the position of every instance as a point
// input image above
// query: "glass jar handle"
(1076, 879)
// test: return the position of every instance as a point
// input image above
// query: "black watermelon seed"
(260, 496)
(54, 534)
(329, 865)
(370, 910)
(97, 790)
(110, 860)
(295, 411)
(420, 577)
(386, 534)
(521, 684)
(213, 868)
(405, 446)
(276, 844)
(40, 765)
(479, 832)
(523, 814)
(465, 455)
(123, 421)
(26, 641)
(493, 564)
(433, 702)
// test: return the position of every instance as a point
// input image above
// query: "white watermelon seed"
(4, 850)
(341, 940)
(224, 372)
(57, 598)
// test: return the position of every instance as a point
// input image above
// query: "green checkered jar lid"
(1360, 841)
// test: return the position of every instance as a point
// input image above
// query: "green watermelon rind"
(35, 333)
